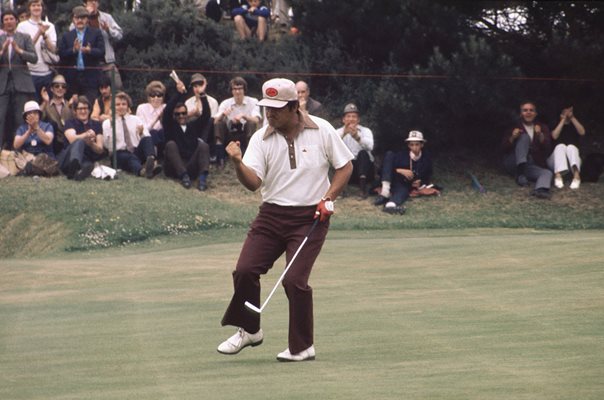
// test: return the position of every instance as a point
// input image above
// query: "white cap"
(31, 106)
(277, 92)
(415, 136)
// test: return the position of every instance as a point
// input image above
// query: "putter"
(259, 310)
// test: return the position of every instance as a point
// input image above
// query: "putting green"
(469, 314)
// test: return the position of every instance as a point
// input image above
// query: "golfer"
(288, 160)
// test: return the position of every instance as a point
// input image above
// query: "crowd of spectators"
(56, 101)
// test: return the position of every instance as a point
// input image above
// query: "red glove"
(324, 209)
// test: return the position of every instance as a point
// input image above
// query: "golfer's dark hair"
(238, 81)
(293, 105)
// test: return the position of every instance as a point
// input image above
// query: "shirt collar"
(304, 122)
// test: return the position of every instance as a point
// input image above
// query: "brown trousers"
(275, 230)
(175, 166)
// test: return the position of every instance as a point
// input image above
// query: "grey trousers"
(534, 173)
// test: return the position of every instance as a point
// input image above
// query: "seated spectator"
(16, 85)
(251, 18)
(57, 110)
(133, 143)
(526, 148)
(307, 103)
(84, 144)
(402, 171)
(237, 119)
(35, 137)
(44, 38)
(22, 14)
(151, 114)
(193, 103)
(82, 50)
(565, 157)
(187, 152)
(101, 110)
(359, 140)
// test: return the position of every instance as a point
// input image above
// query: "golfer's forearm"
(339, 181)
(247, 177)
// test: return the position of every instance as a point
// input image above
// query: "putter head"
(252, 307)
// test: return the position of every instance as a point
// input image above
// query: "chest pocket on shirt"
(310, 156)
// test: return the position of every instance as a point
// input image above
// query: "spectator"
(57, 110)
(84, 145)
(101, 110)
(526, 148)
(238, 118)
(133, 143)
(193, 103)
(22, 14)
(359, 140)
(307, 103)
(281, 13)
(35, 137)
(151, 113)
(82, 50)
(402, 171)
(187, 152)
(251, 18)
(16, 85)
(567, 136)
(44, 38)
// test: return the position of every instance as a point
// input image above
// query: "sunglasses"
(156, 95)
(180, 114)
(59, 85)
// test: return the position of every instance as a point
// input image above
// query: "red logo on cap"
(271, 92)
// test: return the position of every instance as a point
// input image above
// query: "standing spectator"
(82, 50)
(194, 108)
(526, 148)
(101, 110)
(57, 109)
(187, 152)
(84, 144)
(112, 33)
(238, 118)
(359, 140)
(403, 171)
(307, 103)
(288, 161)
(44, 38)
(565, 157)
(34, 138)
(151, 113)
(16, 85)
(251, 19)
(133, 143)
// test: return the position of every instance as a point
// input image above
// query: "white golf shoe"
(304, 355)
(558, 182)
(575, 184)
(239, 341)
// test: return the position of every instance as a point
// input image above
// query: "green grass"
(52, 216)
(414, 314)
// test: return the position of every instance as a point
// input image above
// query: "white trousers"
(563, 158)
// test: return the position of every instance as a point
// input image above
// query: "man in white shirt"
(359, 139)
(133, 142)
(289, 161)
(237, 119)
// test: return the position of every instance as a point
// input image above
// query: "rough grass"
(56, 215)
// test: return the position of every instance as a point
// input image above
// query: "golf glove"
(324, 209)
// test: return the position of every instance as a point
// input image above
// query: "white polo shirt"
(295, 174)
(365, 141)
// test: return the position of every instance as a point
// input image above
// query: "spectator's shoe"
(380, 200)
(239, 341)
(152, 168)
(185, 181)
(203, 186)
(574, 185)
(400, 210)
(84, 172)
(72, 168)
(522, 181)
(542, 193)
(304, 355)
(558, 182)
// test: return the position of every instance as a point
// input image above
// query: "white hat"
(415, 136)
(277, 92)
(31, 106)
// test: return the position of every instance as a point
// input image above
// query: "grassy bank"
(53, 215)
